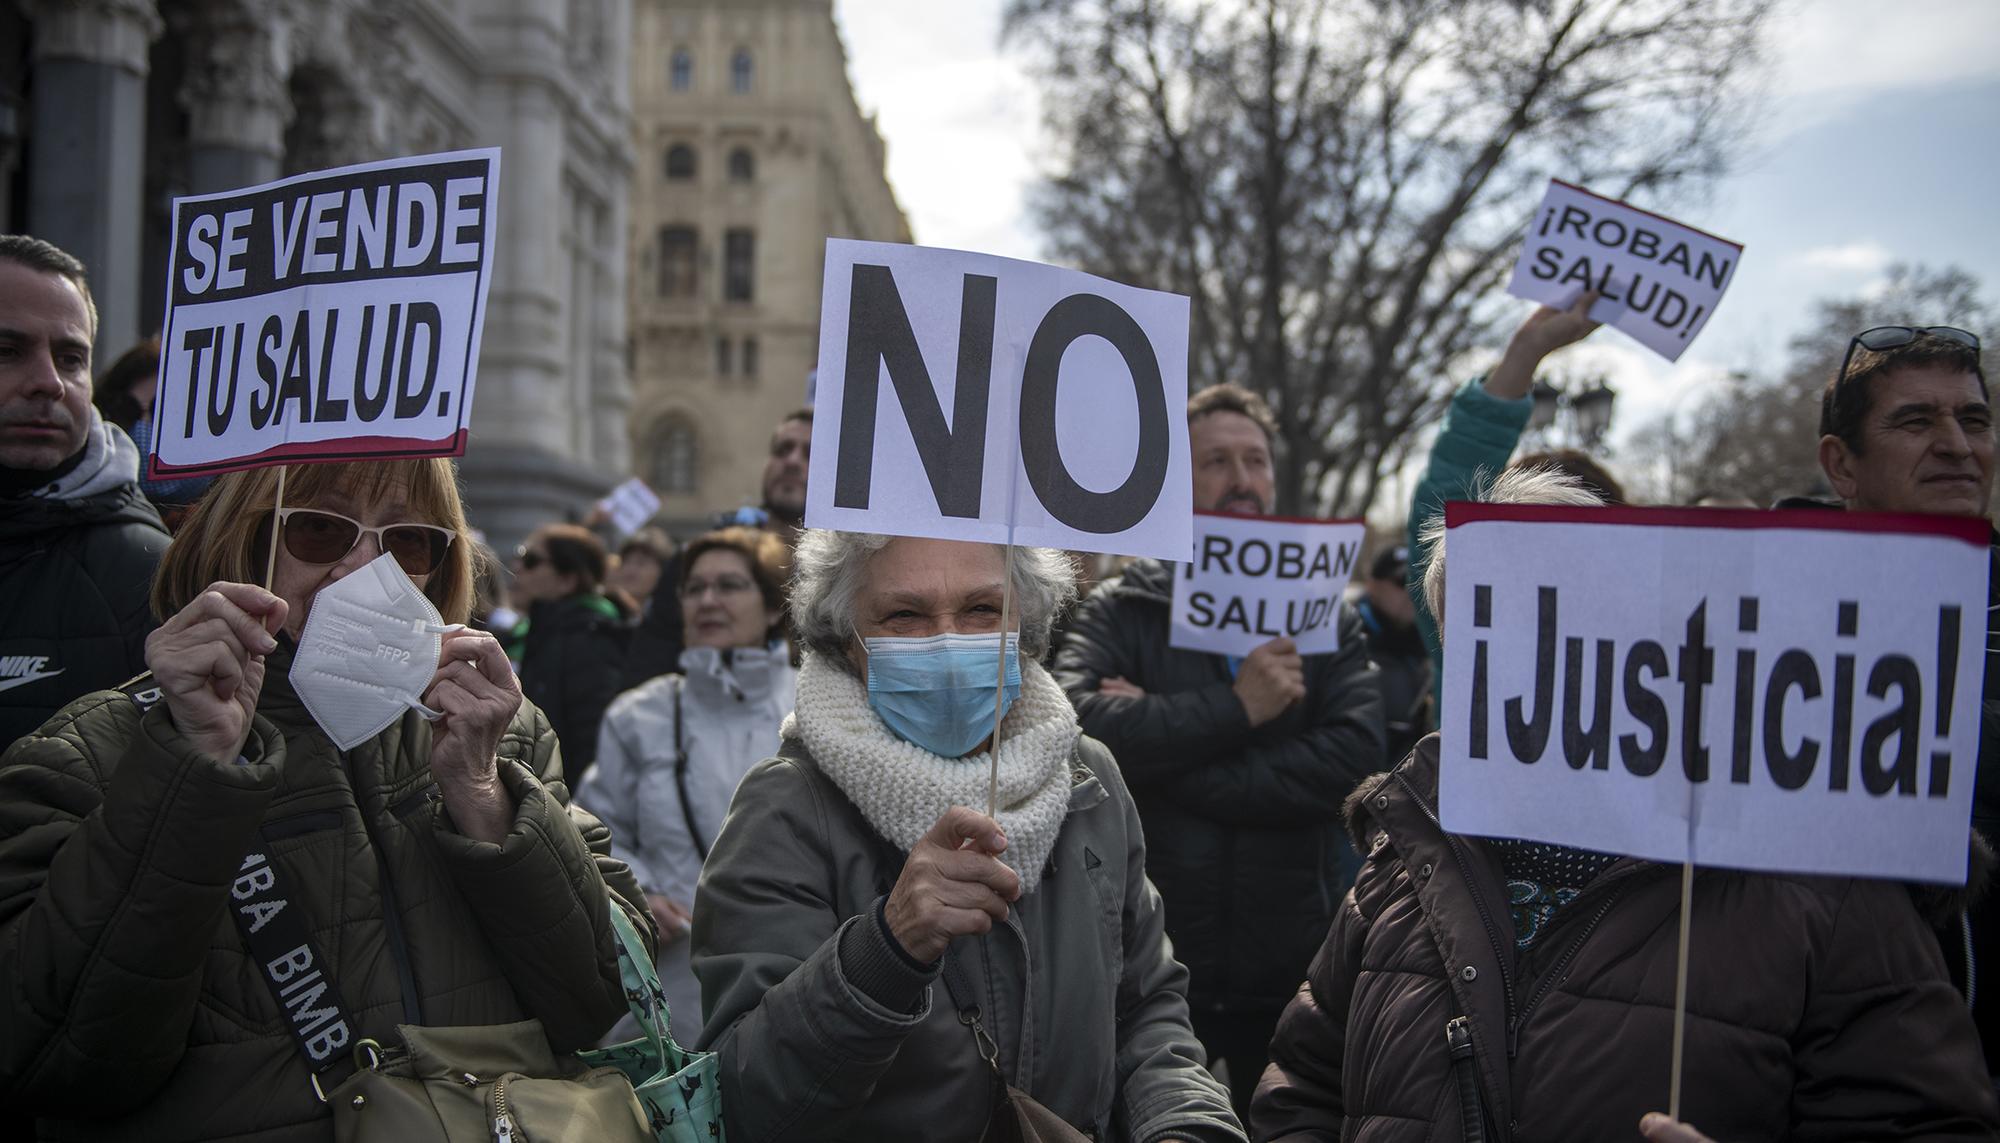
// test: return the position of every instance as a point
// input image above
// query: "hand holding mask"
(208, 660)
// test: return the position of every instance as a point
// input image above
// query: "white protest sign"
(967, 397)
(630, 505)
(1661, 280)
(1793, 691)
(1256, 578)
(329, 316)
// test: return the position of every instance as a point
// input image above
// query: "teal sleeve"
(1477, 435)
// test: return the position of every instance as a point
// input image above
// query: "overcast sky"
(1880, 143)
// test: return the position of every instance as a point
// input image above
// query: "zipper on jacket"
(1555, 973)
(1478, 901)
(503, 1116)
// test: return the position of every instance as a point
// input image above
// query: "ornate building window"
(741, 71)
(677, 262)
(742, 166)
(680, 161)
(750, 357)
(739, 265)
(676, 458)
(680, 71)
(724, 356)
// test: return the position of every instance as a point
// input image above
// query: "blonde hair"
(227, 534)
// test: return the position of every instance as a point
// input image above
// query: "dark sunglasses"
(1891, 336)
(530, 558)
(315, 537)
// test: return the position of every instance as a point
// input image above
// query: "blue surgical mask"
(936, 692)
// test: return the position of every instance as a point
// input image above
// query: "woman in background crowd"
(671, 750)
(643, 562)
(571, 646)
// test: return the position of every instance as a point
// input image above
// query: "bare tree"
(1758, 436)
(1341, 187)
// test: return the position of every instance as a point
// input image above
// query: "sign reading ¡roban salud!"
(1660, 280)
(1258, 578)
(333, 315)
(1793, 691)
(968, 397)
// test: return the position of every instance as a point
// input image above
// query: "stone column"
(234, 92)
(85, 191)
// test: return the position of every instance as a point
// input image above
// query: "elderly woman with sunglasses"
(671, 750)
(433, 873)
(858, 906)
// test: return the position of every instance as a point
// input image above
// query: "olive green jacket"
(827, 1032)
(129, 1005)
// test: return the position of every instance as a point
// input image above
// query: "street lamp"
(1589, 413)
(1592, 410)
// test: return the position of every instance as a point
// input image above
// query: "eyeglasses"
(530, 558)
(1891, 336)
(315, 537)
(722, 585)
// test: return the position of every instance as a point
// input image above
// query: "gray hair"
(1514, 486)
(829, 567)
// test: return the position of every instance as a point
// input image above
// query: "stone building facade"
(749, 152)
(110, 108)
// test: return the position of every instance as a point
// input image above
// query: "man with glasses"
(78, 541)
(1905, 426)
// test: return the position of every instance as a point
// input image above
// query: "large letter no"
(1102, 513)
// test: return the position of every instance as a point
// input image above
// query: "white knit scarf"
(902, 790)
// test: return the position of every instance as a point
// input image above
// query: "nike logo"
(9, 684)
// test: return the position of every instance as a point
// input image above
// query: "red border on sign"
(1647, 213)
(317, 452)
(1279, 519)
(1973, 530)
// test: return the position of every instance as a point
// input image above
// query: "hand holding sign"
(1546, 330)
(1271, 679)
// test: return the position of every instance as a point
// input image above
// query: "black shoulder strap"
(958, 983)
(281, 943)
(290, 962)
(680, 772)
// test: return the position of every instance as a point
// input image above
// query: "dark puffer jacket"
(1818, 1007)
(130, 1008)
(74, 578)
(572, 666)
(1243, 824)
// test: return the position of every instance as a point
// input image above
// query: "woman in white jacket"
(671, 750)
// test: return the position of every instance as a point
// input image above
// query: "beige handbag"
(499, 1082)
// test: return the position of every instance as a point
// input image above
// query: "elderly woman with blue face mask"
(876, 954)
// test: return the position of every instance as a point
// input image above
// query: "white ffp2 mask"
(369, 648)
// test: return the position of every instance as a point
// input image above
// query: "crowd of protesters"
(1213, 900)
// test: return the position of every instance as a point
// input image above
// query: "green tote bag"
(679, 1089)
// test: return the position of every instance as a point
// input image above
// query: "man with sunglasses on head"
(1906, 426)
(78, 541)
